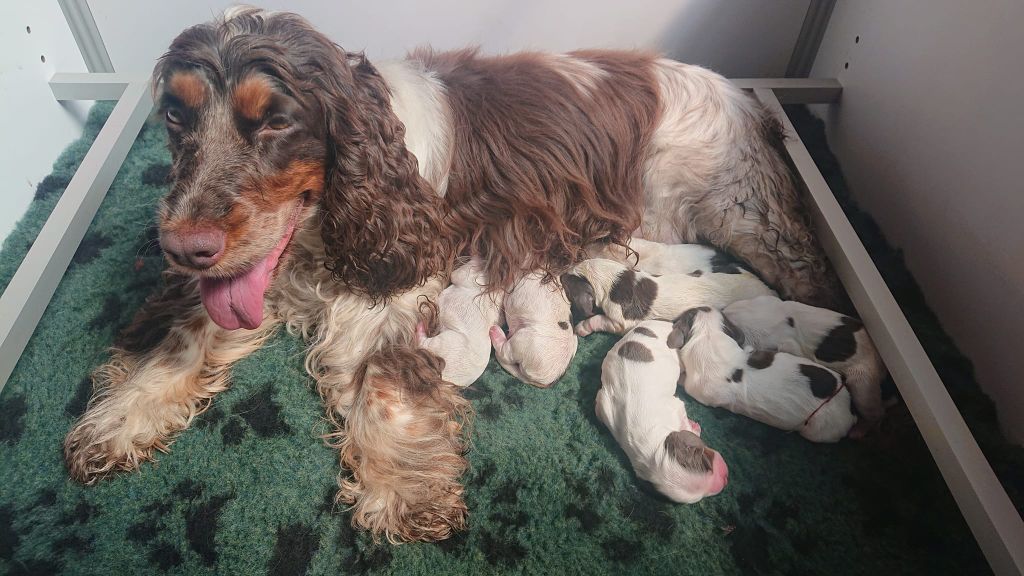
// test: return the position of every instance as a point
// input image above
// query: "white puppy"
(829, 338)
(540, 342)
(609, 297)
(775, 388)
(465, 314)
(637, 403)
(658, 258)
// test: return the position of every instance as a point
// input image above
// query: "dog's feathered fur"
(386, 173)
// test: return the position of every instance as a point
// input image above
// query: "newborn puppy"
(637, 403)
(465, 314)
(775, 388)
(540, 341)
(609, 297)
(657, 258)
(830, 338)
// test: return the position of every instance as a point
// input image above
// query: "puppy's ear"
(690, 451)
(581, 296)
(682, 329)
(733, 331)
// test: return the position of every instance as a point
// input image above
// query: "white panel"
(737, 38)
(29, 114)
(930, 135)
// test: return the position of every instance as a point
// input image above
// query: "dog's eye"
(277, 123)
(173, 116)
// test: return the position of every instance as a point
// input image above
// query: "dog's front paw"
(92, 452)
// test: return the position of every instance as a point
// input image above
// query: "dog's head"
(690, 470)
(270, 122)
(702, 322)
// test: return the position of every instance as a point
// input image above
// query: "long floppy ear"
(580, 294)
(689, 451)
(681, 329)
(382, 224)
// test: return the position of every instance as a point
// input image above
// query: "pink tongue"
(238, 302)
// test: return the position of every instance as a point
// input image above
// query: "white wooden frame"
(981, 498)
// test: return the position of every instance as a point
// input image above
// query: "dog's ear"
(733, 331)
(689, 451)
(581, 297)
(682, 328)
(382, 223)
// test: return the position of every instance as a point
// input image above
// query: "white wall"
(930, 134)
(36, 128)
(737, 38)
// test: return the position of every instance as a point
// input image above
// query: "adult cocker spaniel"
(314, 189)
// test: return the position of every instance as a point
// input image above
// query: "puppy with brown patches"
(609, 297)
(540, 342)
(465, 313)
(637, 403)
(658, 259)
(830, 338)
(778, 389)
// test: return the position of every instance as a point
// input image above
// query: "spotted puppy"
(465, 314)
(637, 403)
(540, 342)
(609, 297)
(830, 338)
(778, 389)
(657, 258)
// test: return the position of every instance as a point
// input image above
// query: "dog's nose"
(195, 248)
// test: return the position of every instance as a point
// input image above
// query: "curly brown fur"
(402, 442)
(382, 224)
(543, 168)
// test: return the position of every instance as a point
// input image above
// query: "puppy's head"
(690, 470)
(537, 356)
(702, 321)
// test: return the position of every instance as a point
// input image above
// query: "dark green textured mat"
(247, 490)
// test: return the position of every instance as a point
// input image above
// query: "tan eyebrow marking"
(251, 97)
(188, 87)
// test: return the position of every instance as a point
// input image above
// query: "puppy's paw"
(583, 329)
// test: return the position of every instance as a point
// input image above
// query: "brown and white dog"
(314, 189)
(829, 338)
(609, 297)
(778, 389)
(637, 403)
(540, 342)
(658, 259)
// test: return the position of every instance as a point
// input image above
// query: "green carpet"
(248, 489)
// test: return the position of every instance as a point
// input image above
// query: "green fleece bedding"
(248, 489)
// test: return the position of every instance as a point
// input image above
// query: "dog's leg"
(772, 236)
(402, 443)
(164, 370)
(398, 425)
(599, 323)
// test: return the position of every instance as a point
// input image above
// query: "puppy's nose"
(194, 248)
